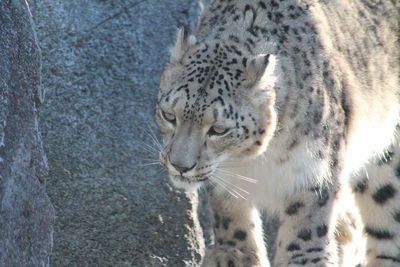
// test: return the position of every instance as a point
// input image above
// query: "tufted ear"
(182, 44)
(256, 68)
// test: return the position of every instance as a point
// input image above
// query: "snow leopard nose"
(182, 169)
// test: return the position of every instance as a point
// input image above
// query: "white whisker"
(227, 182)
(233, 190)
(147, 164)
(226, 188)
(235, 175)
(231, 165)
(211, 182)
(149, 148)
(151, 159)
(153, 136)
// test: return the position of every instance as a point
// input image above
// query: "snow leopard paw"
(227, 256)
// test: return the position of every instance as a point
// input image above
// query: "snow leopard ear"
(182, 44)
(258, 67)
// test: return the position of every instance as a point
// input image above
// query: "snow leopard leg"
(238, 234)
(307, 234)
(349, 230)
(377, 192)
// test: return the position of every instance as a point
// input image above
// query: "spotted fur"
(302, 96)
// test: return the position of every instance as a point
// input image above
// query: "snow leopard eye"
(217, 131)
(169, 117)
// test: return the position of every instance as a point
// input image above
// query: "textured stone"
(101, 66)
(26, 214)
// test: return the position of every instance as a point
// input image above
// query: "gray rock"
(101, 66)
(26, 214)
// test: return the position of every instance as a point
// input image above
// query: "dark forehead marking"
(174, 102)
(206, 76)
(202, 88)
(181, 87)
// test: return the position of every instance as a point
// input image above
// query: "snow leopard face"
(213, 104)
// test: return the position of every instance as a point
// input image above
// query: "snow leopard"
(290, 107)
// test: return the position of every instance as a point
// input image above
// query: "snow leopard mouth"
(190, 180)
(189, 183)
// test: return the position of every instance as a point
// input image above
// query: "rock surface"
(26, 214)
(101, 66)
